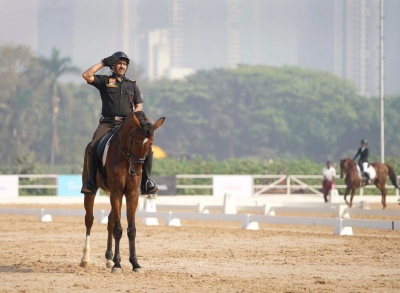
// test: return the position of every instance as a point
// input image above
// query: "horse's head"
(344, 166)
(140, 139)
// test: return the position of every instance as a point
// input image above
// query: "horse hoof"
(116, 270)
(84, 264)
(138, 270)
(109, 263)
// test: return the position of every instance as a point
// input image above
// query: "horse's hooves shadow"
(116, 270)
(14, 269)
(138, 270)
(84, 264)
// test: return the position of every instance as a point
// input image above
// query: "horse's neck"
(123, 131)
(351, 166)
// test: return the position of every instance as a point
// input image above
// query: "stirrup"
(150, 187)
(89, 187)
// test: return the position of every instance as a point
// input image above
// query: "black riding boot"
(367, 177)
(148, 186)
(90, 186)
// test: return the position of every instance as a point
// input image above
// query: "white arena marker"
(340, 230)
(45, 217)
(103, 218)
(246, 224)
(170, 221)
(150, 206)
(229, 205)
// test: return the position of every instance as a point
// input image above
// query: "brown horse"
(123, 167)
(353, 181)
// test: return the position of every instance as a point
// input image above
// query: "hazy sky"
(19, 22)
(272, 32)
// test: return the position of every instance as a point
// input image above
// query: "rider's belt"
(115, 118)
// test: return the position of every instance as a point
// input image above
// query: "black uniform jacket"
(363, 154)
(118, 98)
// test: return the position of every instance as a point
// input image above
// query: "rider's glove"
(110, 61)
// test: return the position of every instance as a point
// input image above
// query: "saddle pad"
(106, 150)
(368, 169)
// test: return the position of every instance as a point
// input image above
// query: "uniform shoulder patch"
(130, 80)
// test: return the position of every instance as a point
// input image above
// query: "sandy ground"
(197, 257)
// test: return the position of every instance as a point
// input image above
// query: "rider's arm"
(138, 100)
(88, 75)
(358, 152)
(138, 107)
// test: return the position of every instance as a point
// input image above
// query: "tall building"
(342, 37)
(56, 27)
(392, 47)
(88, 31)
(268, 32)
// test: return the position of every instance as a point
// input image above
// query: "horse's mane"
(145, 122)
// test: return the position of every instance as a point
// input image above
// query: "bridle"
(129, 156)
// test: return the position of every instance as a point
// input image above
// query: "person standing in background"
(329, 174)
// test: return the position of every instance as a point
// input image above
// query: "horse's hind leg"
(88, 203)
(109, 253)
(382, 188)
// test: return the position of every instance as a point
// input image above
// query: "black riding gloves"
(110, 61)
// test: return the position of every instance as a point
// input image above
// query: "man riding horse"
(120, 96)
(363, 153)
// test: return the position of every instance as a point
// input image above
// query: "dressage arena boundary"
(147, 211)
(280, 184)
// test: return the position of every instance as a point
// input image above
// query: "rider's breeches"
(360, 164)
(103, 128)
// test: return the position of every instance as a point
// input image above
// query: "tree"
(259, 111)
(54, 68)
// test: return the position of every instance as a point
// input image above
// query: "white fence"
(272, 184)
(283, 184)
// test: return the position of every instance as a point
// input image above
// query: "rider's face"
(120, 67)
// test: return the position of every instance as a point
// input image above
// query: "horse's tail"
(392, 176)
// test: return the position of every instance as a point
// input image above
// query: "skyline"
(332, 35)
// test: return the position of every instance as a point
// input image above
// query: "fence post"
(288, 185)
(361, 192)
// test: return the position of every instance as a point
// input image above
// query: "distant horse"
(123, 167)
(353, 180)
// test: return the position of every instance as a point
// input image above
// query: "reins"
(129, 155)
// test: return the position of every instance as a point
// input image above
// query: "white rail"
(288, 184)
(341, 226)
(281, 184)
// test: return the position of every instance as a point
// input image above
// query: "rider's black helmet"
(122, 56)
(364, 141)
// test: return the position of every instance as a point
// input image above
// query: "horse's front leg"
(109, 252)
(88, 203)
(353, 191)
(131, 205)
(116, 202)
(345, 195)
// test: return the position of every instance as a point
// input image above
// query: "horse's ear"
(158, 123)
(136, 121)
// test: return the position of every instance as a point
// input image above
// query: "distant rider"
(363, 153)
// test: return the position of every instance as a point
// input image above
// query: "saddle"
(369, 169)
(101, 152)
